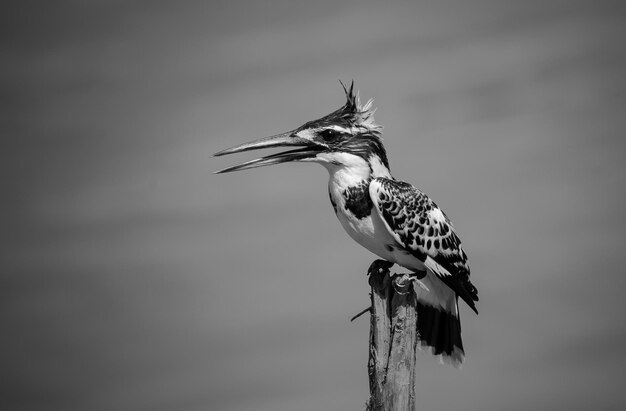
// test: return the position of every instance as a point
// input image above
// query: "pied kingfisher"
(389, 217)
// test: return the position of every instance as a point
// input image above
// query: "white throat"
(349, 169)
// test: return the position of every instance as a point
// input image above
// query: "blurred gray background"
(132, 278)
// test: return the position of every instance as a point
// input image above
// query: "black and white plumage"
(391, 218)
(419, 225)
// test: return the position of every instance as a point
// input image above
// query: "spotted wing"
(420, 227)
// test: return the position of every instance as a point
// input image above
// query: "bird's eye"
(329, 135)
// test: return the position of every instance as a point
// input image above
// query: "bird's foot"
(378, 274)
(403, 281)
(379, 267)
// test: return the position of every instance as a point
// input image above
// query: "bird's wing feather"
(421, 227)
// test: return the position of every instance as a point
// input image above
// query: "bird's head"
(345, 137)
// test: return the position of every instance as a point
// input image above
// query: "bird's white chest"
(349, 194)
(354, 209)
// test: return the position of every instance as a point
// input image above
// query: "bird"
(391, 218)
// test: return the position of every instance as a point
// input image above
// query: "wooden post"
(393, 340)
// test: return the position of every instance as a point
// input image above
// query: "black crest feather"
(353, 113)
(360, 118)
(351, 98)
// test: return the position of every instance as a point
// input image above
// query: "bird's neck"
(353, 172)
(378, 167)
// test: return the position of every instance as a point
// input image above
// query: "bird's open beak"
(307, 149)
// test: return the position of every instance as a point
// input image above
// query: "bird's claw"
(379, 267)
(379, 274)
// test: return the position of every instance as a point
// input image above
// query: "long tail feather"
(440, 330)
